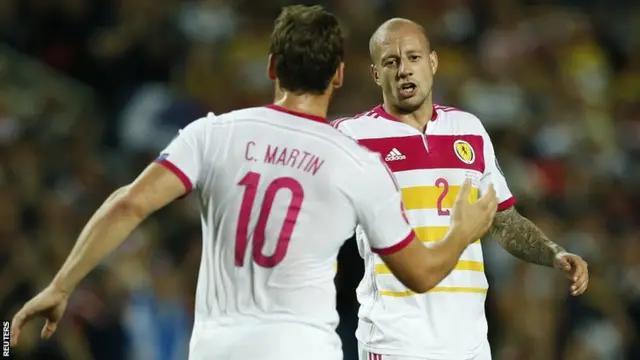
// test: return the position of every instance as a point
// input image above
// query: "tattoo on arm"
(522, 239)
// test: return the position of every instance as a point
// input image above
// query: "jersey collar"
(380, 111)
(296, 113)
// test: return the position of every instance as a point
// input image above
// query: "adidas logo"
(393, 155)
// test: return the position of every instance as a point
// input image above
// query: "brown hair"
(307, 46)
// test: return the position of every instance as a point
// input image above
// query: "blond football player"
(432, 149)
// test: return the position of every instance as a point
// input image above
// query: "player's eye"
(414, 57)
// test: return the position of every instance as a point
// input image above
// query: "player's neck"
(306, 103)
(417, 119)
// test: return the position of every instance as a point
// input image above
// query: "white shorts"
(265, 342)
(484, 353)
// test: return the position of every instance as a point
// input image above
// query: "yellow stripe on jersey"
(461, 265)
(428, 197)
(433, 233)
(435, 290)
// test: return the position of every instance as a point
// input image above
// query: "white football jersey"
(449, 321)
(280, 192)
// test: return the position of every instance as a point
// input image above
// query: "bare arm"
(523, 239)
(114, 221)
(420, 268)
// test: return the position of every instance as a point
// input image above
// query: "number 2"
(442, 182)
(250, 182)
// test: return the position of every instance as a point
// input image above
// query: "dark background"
(90, 91)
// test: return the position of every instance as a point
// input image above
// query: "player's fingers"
(491, 210)
(489, 199)
(580, 281)
(583, 287)
(579, 270)
(16, 324)
(48, 329)
(15, 336)
(491, 192)
(463, 195)
(579, 288)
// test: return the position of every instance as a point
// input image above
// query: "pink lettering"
(246, 152)
(282, 158)
(316, 164)
(293, 156)
(303, 158)
(270, 155)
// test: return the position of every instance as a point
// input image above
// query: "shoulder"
(452, 114)
(353, 155)
(372, 123)
(347, 121)
(245, 113)
(198, 127)
(460, 120)
(222, 120)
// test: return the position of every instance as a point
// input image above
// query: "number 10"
(250, 182)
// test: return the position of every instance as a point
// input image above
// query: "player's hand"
(50, 304)
(575, 269)
(472, 221)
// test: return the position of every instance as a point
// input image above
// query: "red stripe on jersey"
(380, 111)
(397, 247)
(445, 108)
(297, 113)
(337, 122)
(177, 172)
(445, 152)
(507, 204)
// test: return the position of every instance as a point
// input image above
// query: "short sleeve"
(494, 175)
(378, 204)
(183, 156)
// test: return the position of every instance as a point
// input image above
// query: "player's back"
(274, 218)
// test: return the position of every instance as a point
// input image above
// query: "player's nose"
(404, 69)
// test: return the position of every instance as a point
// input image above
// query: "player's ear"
(271, 69)
(433, 61)
(338, 77)
(374, 73)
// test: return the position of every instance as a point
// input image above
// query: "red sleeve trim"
(397, 247)
(177, 172)
(507, 204)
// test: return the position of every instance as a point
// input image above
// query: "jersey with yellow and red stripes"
(449, 321)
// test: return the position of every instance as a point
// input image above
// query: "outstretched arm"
(523, 239)
(168, 178)
(114, 221)
(120, 214)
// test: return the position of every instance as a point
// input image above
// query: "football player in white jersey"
(280, 191)
(431, 149)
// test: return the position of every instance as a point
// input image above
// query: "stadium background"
(91, 90)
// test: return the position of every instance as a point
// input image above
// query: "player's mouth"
(407, 89)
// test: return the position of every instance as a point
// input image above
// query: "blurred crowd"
(90, 91)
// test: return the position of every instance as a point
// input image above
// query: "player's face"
(405, 68)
